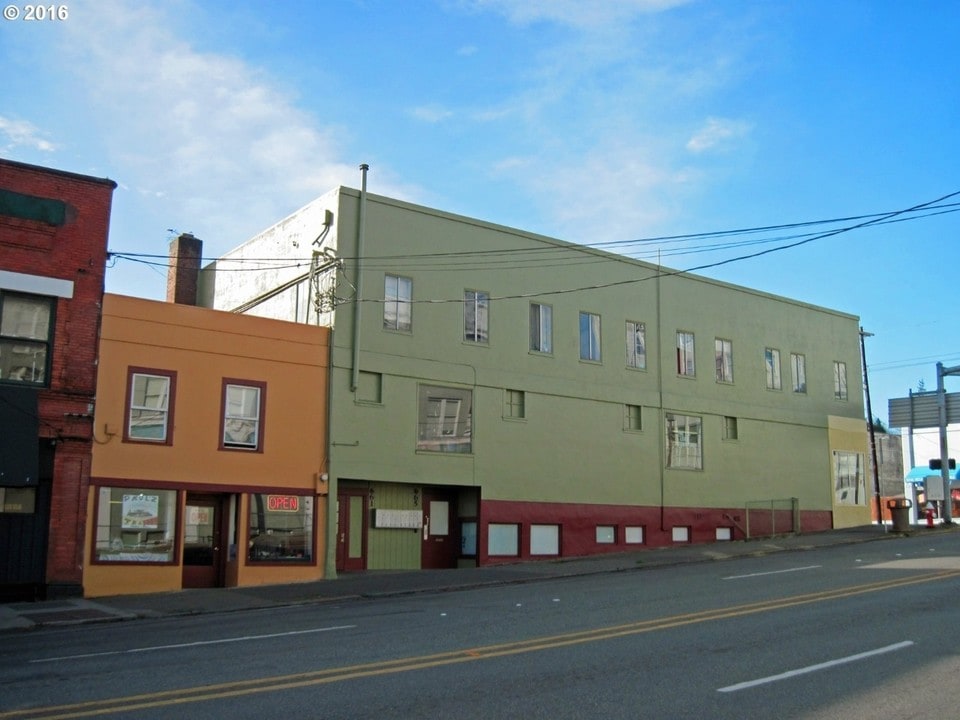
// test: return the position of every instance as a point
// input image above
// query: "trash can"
(900, 513)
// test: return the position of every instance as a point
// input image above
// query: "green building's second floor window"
(397, 308)
(476, 316)
(541, 328)
(589, 336)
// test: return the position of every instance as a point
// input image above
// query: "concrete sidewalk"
(373, 584)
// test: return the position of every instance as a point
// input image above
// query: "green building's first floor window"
(684, 442)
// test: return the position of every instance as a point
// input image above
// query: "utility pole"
(944, 450)
(873, 437)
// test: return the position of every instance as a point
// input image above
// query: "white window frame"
(397, 303)
(590, 338)
(636, 345)
(839, 380)
(849, 474)
(684, 441)
(724, 360)
(541, 328)
(686, 361)
(242, 419)
(476, 317)
(771, 362)
(798, 368)
(156, 405)
(445, 418)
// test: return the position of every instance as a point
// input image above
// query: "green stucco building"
(498, 395)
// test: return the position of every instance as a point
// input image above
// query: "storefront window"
(281, 528)
(22, 501)
(135, 525)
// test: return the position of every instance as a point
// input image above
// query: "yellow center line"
(240, 688)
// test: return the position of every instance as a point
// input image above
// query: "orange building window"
(150, 402)
(243, 403)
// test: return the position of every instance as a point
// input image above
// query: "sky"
(654, 126)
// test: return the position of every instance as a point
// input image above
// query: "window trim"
(799, 388)
(683, 361)
(281, 561)
(177, 529)
(773, 372)
(480, 336)
(723, 354)
(171, 376)
(514, 404)
(590, 316)
(841, 385)
(628, 418)
(731, 428)
(47, 342)
(636, 361)
(261, 411)
(669, 462)
(537, 346)
(462, 437)
(397, 302)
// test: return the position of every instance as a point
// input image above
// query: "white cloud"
(218, 145)
(716, 133)
(20, 133)
(616, 190)
(431, 113)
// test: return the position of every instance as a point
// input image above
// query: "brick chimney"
(184, 271)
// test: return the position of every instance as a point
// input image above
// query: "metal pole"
(358, 283)
(944, 451)
(873, 437)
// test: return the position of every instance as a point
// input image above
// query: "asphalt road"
(848, 632)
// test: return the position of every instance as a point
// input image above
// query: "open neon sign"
(283, 503)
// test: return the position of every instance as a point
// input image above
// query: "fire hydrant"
(929, 517)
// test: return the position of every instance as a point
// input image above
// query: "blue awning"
(919, 474)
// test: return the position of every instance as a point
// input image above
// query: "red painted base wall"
(578, 526)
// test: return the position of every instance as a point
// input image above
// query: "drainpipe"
(361, 231)
(661, 417)
(330, 562)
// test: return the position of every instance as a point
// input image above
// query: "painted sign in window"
(140, 512)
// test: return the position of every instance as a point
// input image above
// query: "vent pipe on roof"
(358, 283)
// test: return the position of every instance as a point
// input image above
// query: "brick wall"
(72, 246)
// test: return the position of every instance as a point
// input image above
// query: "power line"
(573, 254)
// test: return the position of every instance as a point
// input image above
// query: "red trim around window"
(171, 401)
(261, 419)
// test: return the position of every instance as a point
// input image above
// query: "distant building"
(890, 472)
(53, 248)
(919, 447)
(498, 395)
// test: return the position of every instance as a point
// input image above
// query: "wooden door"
(203, 541)
(440, 546)
(351, 530)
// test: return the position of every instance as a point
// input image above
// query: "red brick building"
(53, 248)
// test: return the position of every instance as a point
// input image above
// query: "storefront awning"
(920, 474)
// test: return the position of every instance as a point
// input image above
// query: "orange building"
(208, 464)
